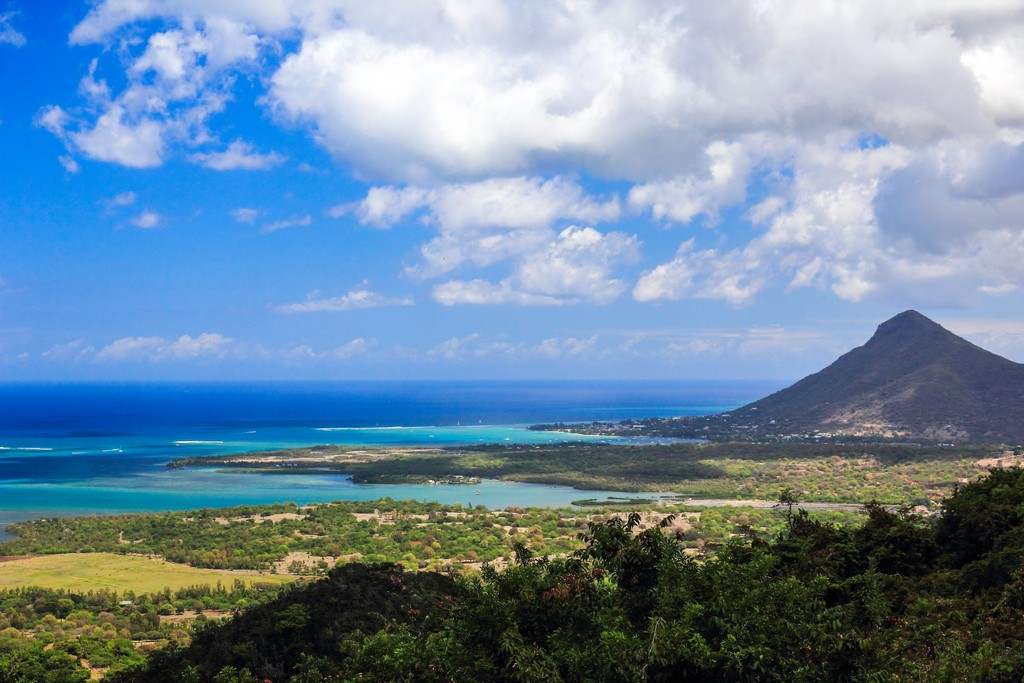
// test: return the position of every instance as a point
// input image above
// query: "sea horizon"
(102, 447)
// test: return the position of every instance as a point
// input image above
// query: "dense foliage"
(419, 535)
(51, 635)
(295, 636)
(898, 598)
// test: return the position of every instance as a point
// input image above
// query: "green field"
(79, 572)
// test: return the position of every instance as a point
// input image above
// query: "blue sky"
(484, 189)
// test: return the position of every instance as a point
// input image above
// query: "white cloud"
(682, 198)
(69, 164)
(469, 115)
(76, 350)
(123, 199)
(147, 220)
(245, 215)
(454, 347)
(238, 155)
(384, 206)
(458, 292)
(822, 232)
(520, 202)
(517, 202)
(8, 34)
(175, 80)
(559, 348)
(476, 346)
(53, 119)
(132, 348)
(347, 351)
(361, 297)
(288, 223)
(642, 88)
(350, 349)
(696, 347)
(706, 274)
(999, 69)
(156, 349)
(672, 280)
(135, 143)
(578, 265)
(486, 222)
(206, 344)
(574, 267)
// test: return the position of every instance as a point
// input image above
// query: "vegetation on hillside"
(58, 636)
(266, 538)
(898, 598)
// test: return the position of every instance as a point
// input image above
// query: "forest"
(895, 597)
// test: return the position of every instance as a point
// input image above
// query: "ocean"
(93, 448)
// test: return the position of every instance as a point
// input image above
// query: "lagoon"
(73, 449)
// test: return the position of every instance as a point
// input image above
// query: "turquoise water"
(93, 475)
(103, 448)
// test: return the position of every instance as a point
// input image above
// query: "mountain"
(912, 379)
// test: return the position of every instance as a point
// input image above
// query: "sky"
(475, 189)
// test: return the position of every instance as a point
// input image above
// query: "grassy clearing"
(95, 571)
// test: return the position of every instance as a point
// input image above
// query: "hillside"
(912, 379)
(898, 598)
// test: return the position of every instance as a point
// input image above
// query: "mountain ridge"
(911, 379)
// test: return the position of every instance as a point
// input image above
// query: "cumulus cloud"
(238, 155)
(577, 266)
(529, 202)
(132, 348)
(874, 149)
(175, 80)
(206, 344)
(684, 197)
(482, 223)
(384, 206)
(822, 230)
(119, 138)
(76, 350)
(704, 274)
(641, 88)
(360, 297)
(156, 349)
